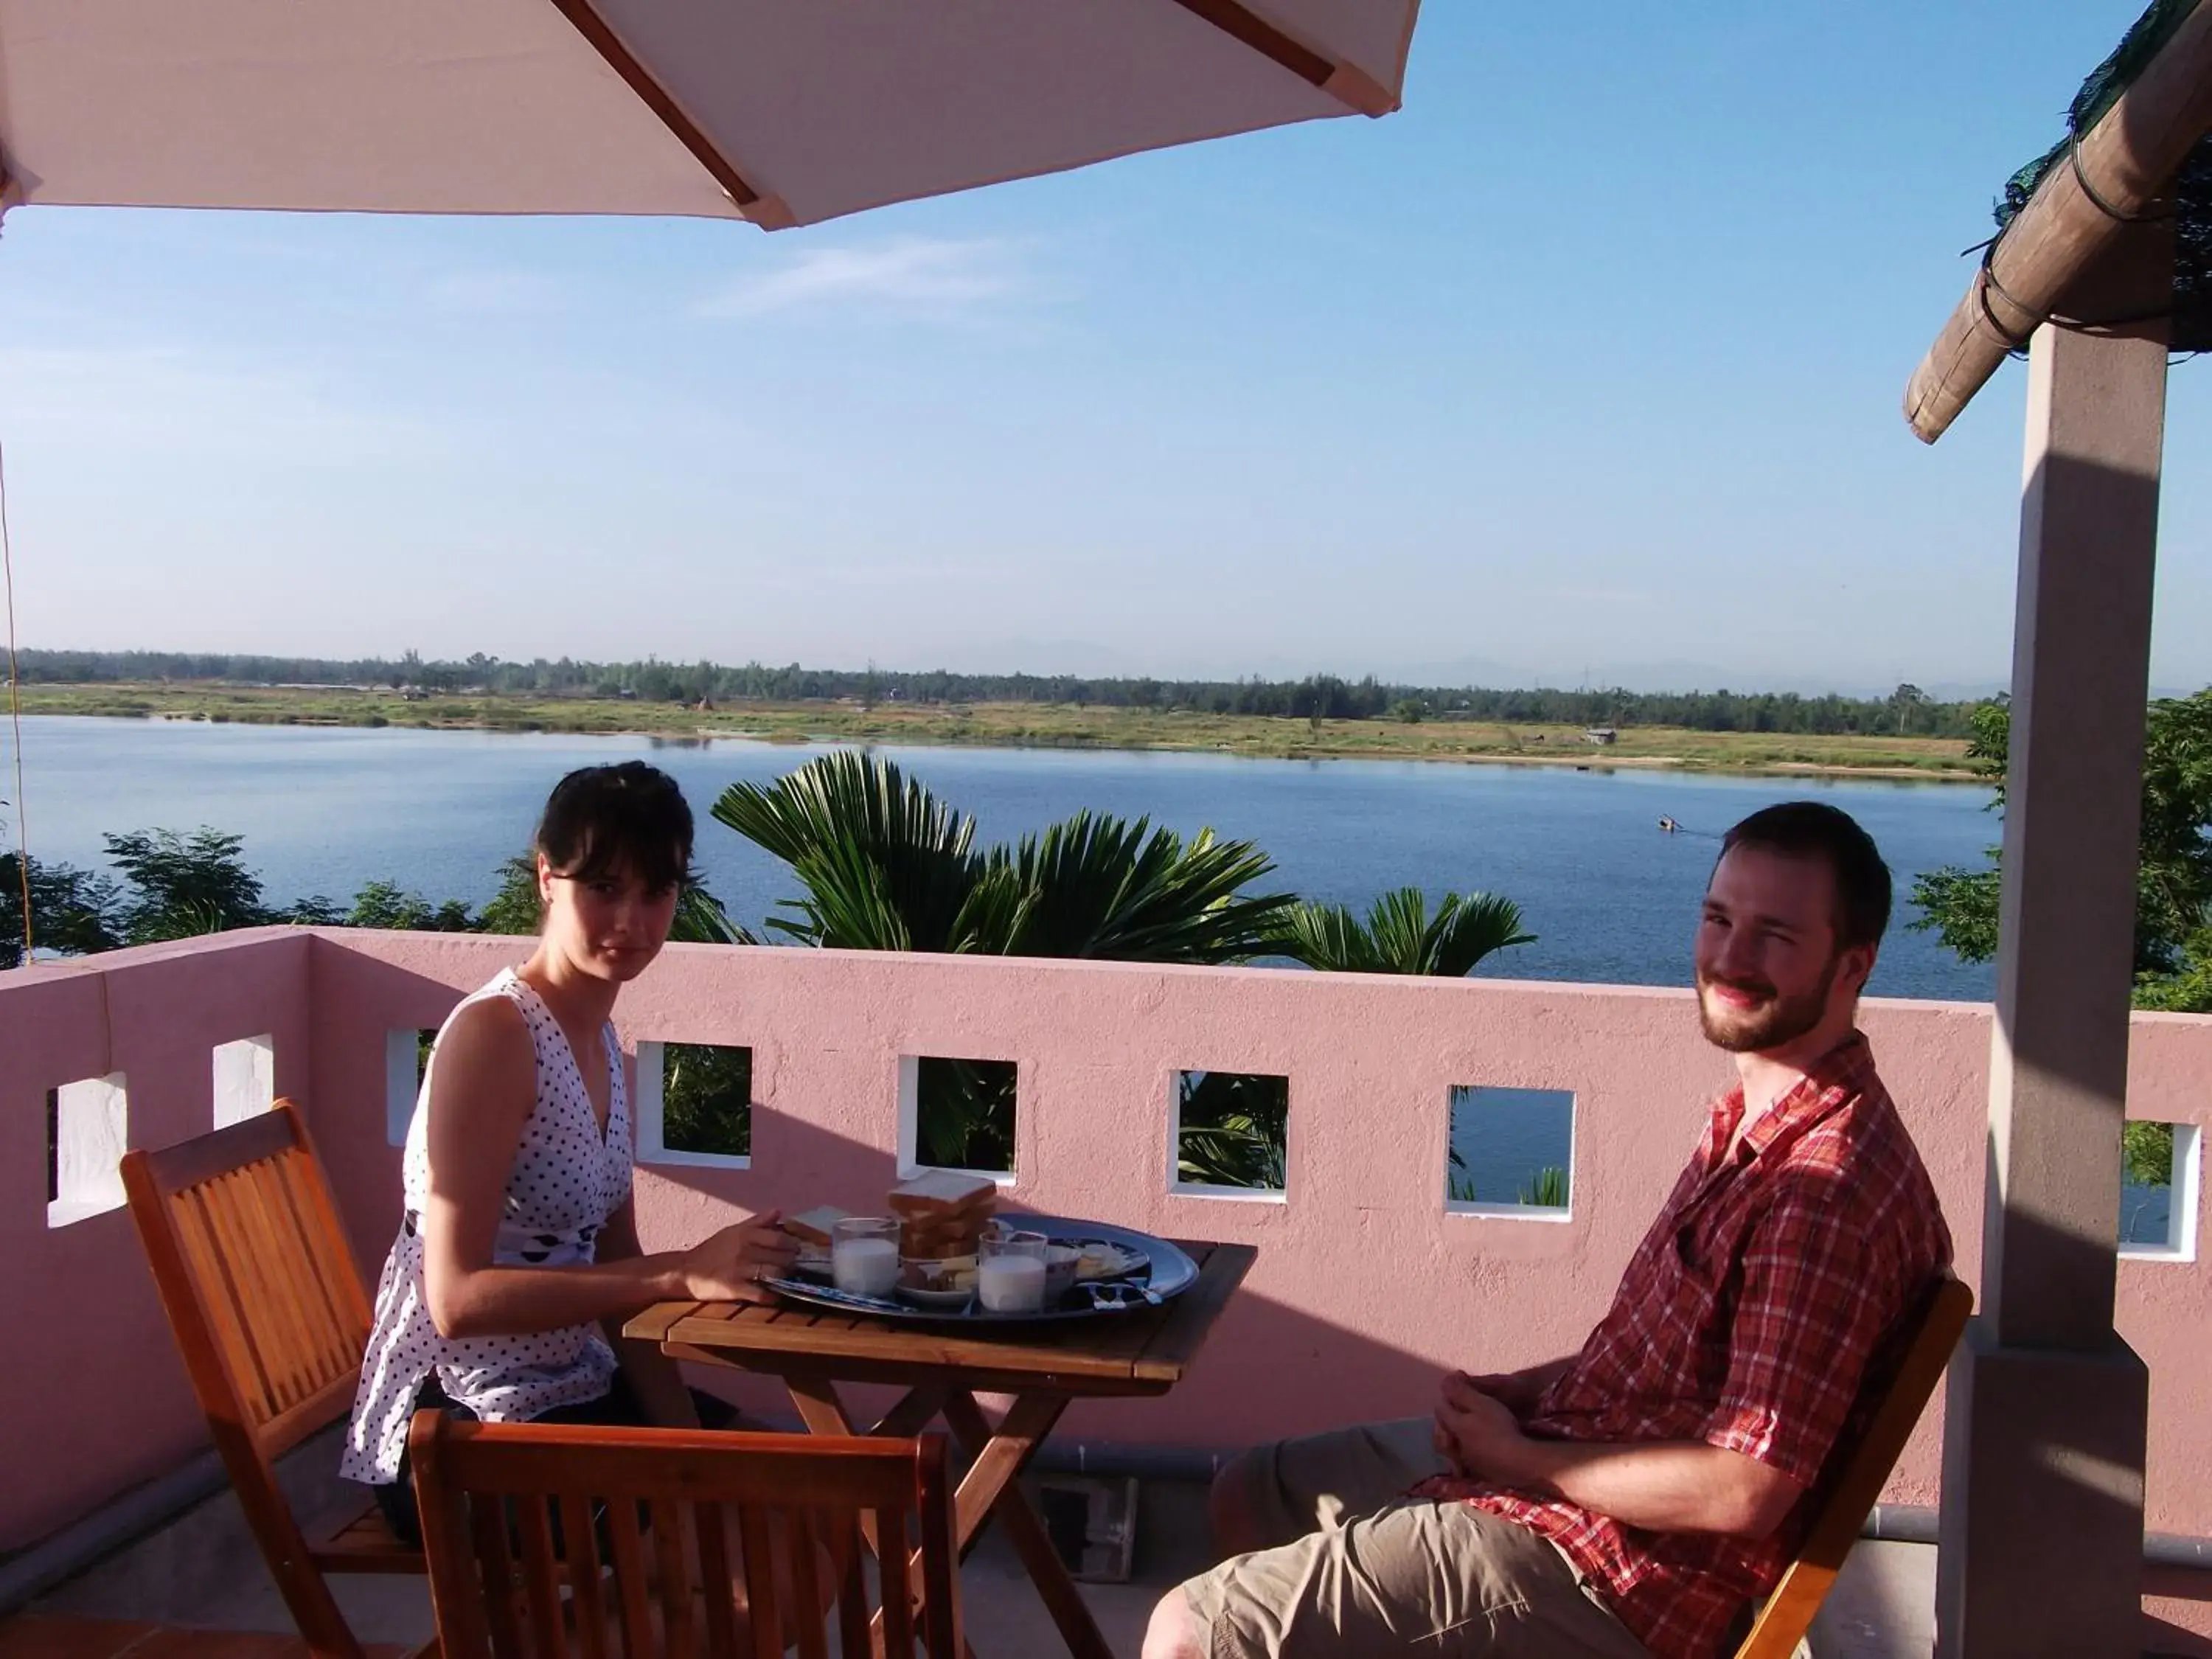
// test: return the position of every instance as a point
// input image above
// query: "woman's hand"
(730, 1266)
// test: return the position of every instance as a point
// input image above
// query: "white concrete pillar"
(2042, 1527)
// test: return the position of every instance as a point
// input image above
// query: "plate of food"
(947, 1228)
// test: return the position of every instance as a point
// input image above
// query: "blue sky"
(1587, 362)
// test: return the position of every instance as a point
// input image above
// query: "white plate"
(940, 1301)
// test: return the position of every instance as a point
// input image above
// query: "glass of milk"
(1010, 1272)
(864, 1255)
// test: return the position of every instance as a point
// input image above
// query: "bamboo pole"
(2127, 158)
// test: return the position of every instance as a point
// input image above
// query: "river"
(1610, 897)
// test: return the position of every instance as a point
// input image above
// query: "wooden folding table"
(943, 1368)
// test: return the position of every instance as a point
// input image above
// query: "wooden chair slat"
(287, 1341)
(761, 1610)
(852, 1592)
(249, 1260)
(939, 1554)
(628, 1549)
(806, 1597)
(227, 1384)
(329, 1344)
(718, 1587)
(541, 1575)
(237, 1285)
(327, 1351)
(1788, 1613)
(340, 1281)
(275, 1325)
(895, 1599)
(580, 1539)
(496, 1568)
(672, 1558)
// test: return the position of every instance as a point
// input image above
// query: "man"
(1637, 1499)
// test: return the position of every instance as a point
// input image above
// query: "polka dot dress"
(567, 1180)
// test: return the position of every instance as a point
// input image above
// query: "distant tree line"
(1906, 711)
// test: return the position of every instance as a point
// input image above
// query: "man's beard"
(1773, 1022)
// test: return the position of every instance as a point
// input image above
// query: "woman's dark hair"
(1811, 828)
(600, 819)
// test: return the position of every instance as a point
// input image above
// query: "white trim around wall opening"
(2180, 1242)
(92, 1126)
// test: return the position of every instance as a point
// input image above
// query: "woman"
(520, 1242)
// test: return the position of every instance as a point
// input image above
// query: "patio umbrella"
(781, 112)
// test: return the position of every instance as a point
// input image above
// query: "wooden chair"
(497, 1573)
(266, 1301)
(1788, 1614)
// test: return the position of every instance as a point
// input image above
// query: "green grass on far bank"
(1039, 724)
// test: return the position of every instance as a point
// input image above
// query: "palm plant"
(889, 866)
(886, 866)
(1232, 1130)
(1104, 887)
(1400, 936)
(964, 1112)
(706, 1098)
(1549, 1190)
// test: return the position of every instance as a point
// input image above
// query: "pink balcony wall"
(1365, 1286)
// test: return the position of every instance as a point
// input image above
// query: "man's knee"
(1174, 1631)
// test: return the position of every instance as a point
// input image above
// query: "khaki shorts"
(1356, 1568)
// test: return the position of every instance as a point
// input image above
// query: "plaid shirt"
(1774, 1280)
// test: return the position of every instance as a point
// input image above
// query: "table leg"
(911, 1415)
(990, 1489)
(822, 1410)
(819, 1407)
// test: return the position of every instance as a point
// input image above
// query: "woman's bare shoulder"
(488, 1029)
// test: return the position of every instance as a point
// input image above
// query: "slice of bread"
(813, 1225)
(926, 1240)
(943, 1193)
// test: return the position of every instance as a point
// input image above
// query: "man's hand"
(1476, 1432)
(1516, 1391)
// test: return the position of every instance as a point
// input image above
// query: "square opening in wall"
(2158, 1190)
(694, 1104)
(1232, 1133)
(245, 1079)
(406, 1059)
(958, 1114)
(1511, 1152)
(87, 1125)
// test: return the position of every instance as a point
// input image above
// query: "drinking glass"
(864, 1255)
(1009, 1274)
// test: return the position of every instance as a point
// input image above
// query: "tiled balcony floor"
(202, 1573)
